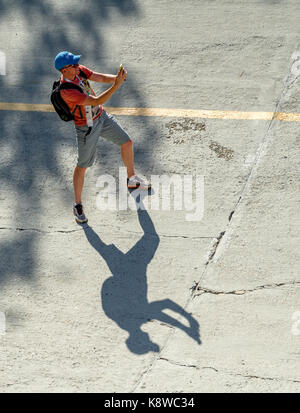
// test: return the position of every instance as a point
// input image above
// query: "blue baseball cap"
(65, 58)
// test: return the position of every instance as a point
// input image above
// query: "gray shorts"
(105, 126)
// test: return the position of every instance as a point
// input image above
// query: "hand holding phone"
(121, 68)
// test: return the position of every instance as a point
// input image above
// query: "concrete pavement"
(148, 301)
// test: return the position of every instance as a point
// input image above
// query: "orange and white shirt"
(74, 99)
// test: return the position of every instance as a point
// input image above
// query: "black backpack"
(59, 104)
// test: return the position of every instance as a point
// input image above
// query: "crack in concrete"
(204, 290)
(223, 239)
(118, 228)
(161, 323)
(214, 247)
(250, 376)
(160, 235)
(40, 230)
(184, 237)
(231, 373)
(153, 361)
(176, 363)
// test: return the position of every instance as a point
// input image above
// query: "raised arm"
(101, 77)
(99, 100)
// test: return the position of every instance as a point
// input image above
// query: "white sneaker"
(136, 182)
(80, 217)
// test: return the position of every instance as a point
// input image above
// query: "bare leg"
(127, 157)
(78, 181)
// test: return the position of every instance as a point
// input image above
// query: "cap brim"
(76, 58)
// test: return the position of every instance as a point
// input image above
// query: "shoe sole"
(80, 221)
(140, 187)
(144, 188)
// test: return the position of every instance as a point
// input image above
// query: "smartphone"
(121, 68)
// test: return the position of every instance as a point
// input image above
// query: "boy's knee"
(128, 143)
(81, 169)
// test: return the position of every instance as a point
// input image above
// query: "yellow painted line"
(189, 113)
(171, 113)
(30, 107)
(287, 117)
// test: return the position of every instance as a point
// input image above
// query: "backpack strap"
(80, 111)
(82, 74)
(67, 85)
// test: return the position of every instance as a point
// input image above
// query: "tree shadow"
(35, 31)
(124, 294)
